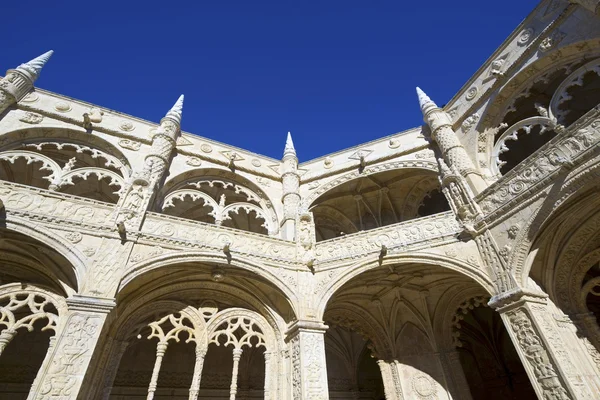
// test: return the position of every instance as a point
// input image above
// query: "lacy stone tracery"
(455, 260)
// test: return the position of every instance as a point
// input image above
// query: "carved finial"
(289, 146)
(424, 101)
(176, 111)
(34, 67)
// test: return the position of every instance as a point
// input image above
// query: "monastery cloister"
(456, 260)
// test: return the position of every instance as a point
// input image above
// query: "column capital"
(306, 326)
(90, 304)
(516, 297)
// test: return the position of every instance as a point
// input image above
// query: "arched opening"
(220, 326)
(222, 198)
(351, 369)
(564, 262)
(377, 200)
(26, 260)
(65, 166)
(487, 355)
(29, 319)
(541, 110)
(406, 316)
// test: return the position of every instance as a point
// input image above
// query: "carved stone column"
(67, 360)
(195, 387)
(391, 380)
(452, 150)
(141, 190)
(309, 371)
(161, 349)
(237, 354)
(291, 196)
(555, 363)
(455, 375)
(269, 377)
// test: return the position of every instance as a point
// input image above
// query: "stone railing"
(533, 175)
(50, 207)
(399, 237)
(161, 228)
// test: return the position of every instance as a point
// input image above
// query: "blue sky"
(335, 72)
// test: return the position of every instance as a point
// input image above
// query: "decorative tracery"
(22, 308)
(67, 167)
(221, 202)
(543, 108)
(236, 328)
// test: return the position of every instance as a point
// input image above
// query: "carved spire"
(289, 146)
(425, 102)
(176, 111)
(34, 67)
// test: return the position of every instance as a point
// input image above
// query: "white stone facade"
(456, 260)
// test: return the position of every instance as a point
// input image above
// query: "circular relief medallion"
(328, 163)
(256, 162)
(31, 98)
(394, 143)
(471, 93)
(62, 106)
(525, 36)
(126, 126)
(207, 148)
(424, 386)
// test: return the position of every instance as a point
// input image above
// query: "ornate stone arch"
(519, 82)
(64, 248)
(206, 258)
(216, 187)
(54, 163)
(425, 165)
(557, 200)
(464, 269)
(443, 325)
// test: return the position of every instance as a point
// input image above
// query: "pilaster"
(309, 371)
(66, 363)
(391, 380)
(552, 355)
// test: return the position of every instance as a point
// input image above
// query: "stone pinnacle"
(34, 67)
(176, 111)
(289, 146)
